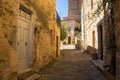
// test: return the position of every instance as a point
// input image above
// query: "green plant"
(77, 31)
(101, 6)
(64, 43)
(73, 41)
(63, 32)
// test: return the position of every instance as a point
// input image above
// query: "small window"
(28, 16)
(25, 13)
(22, 13)
(51, 37)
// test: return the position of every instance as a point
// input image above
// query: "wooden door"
(93, 35)
(23, 35)
(69, 40)
(56, 46)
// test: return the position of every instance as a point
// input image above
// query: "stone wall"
(106, 38)
(8, 54)
(44, 32)
(117, 37)
(90, 23)
(74, 9)
(70, 25)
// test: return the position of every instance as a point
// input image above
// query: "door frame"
(69, 39)
(100, 40)
(57, 46)
(30, 35)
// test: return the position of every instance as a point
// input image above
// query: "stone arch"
(69, 39)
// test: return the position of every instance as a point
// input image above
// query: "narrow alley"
(59, 40)
(73, 65)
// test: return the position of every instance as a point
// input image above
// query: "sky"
(62, 8)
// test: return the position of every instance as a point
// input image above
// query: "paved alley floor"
(73, 65)
(70, 46)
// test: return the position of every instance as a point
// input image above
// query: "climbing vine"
(101, 6)
(107, 6)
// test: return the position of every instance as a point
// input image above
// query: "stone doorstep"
(27, 70)
(99, 64)
(33, 77)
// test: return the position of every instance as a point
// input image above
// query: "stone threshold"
(24, 71)
(100, 65)
(33, 77)
(22, 75)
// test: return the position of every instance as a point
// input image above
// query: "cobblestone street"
(73, 65)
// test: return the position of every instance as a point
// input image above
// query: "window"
(28, 16)
(25, 13)
(51, 37)
(22, 13)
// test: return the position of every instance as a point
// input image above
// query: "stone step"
(99, 63)
(33, 77)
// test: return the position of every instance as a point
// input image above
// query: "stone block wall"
(90, 23)
(74, 9)
(47, 30)
(8, 54)
(117, 37)
(44, 33)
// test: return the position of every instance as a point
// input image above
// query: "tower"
(74, 9)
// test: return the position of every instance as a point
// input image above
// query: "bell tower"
(74, 9)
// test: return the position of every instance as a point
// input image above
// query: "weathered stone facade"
(116, 9)
(74, 9)
(71, 24)
(107, 35)
(36, 22)
(89, 23)
(95, 30)
(73, 19)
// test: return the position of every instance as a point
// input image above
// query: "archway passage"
(69, 40)
(100, 41)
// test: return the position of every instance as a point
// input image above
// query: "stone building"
(94, 32)
(29, 36)
(106, 35)
(91, 25)
(116, 28)
(73, 18)
(71, 25)
(74, 9)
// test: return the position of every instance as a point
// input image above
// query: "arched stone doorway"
(69, 40)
